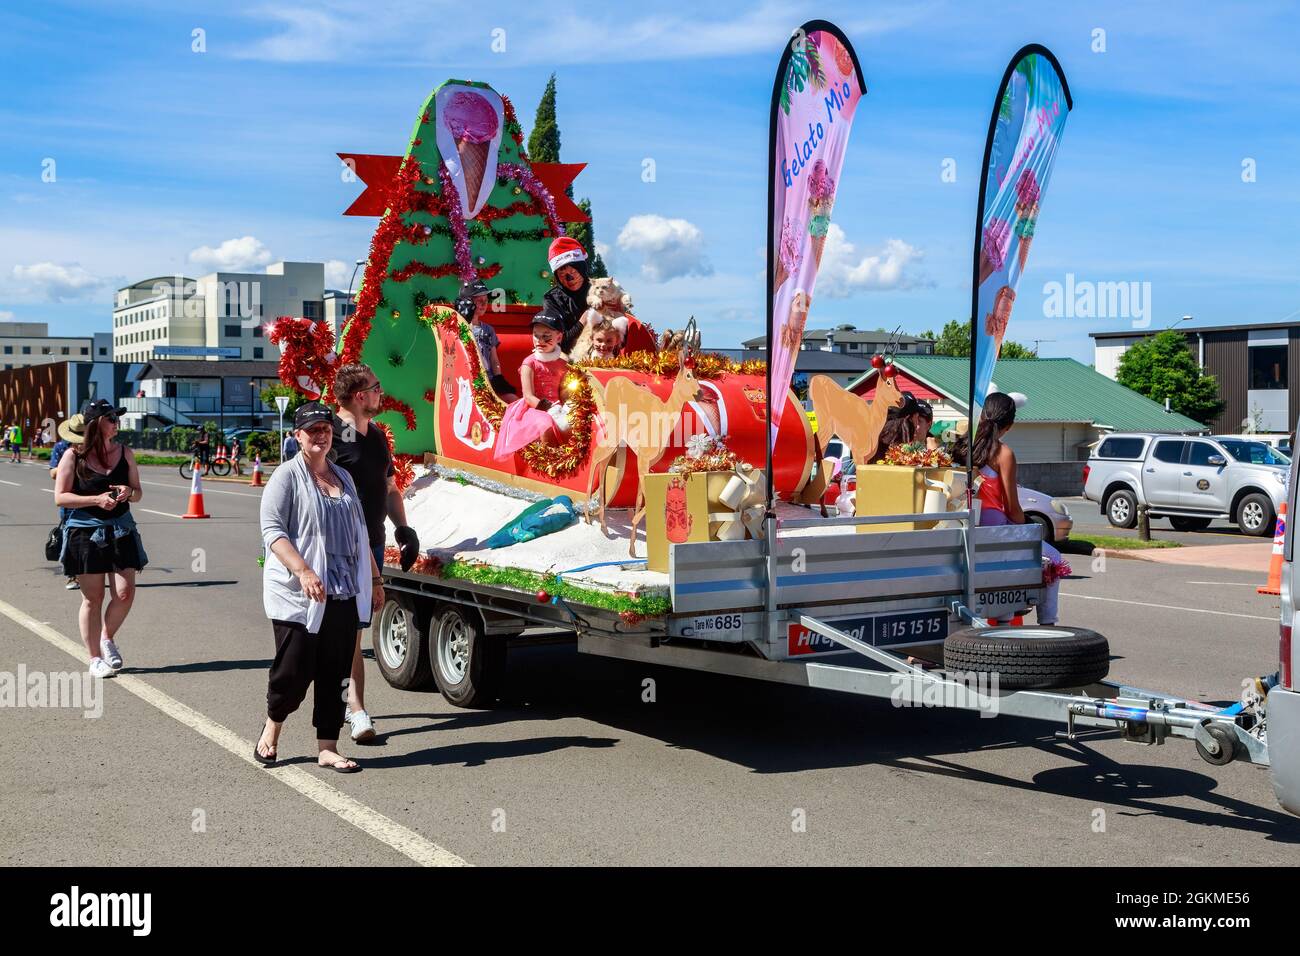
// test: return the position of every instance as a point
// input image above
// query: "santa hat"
(565, 250)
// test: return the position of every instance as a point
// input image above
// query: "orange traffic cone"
(196, 496)
(257, 472)
(1274, 585)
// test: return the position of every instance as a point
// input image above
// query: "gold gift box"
(678, 508)
(896, 490)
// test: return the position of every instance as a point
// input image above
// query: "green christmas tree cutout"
(424, 248)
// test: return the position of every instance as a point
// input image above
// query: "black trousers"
(323, 658)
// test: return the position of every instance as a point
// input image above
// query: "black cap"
(98, 408)
(549, 319)
(472, 288)
(309, 413)
(469, 291)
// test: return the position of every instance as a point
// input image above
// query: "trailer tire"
(1030, 657)
(468, 665)
(399, 642)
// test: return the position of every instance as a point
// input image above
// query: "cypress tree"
(544, 147)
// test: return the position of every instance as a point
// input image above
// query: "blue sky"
(163, 154)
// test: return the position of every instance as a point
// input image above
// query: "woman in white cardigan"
(319, 580)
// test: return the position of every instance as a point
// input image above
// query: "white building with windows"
(226, 310)
(30, 343)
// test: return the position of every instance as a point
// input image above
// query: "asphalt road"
(575, 768)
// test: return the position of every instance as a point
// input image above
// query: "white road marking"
(48, 491)
(1168, 607)
(14, 483)
(371, 822)
(206, 491)
(165, 514)
(1229, 584)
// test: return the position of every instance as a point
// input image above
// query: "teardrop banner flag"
(1024, 132)
(814, 98)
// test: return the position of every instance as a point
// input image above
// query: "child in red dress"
(540, 412)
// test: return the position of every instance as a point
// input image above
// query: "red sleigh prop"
(467, 412)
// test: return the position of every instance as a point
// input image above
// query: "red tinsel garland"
(307, 358)
(439, 272)
(390, 404)
(1053, 571)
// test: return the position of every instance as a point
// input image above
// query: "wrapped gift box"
(700, 506)
(897, 490)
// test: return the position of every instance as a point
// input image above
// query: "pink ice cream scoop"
(791, 254)
(820, 184)
(1027, 188)
(470, 117)
(996, 242)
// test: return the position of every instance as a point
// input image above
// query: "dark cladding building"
(1257, 368)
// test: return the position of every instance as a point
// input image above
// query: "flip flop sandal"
(264, 761)
(337, 769)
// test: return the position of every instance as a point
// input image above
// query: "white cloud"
(57, 282)
(670, 248)
(338, 273)
(6, 316)
(845, 271)
(233, 255)
(409, 34)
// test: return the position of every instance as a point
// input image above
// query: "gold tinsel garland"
(554, 461)
(916, 455)
(666, 364)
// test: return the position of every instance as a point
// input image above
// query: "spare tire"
(1030, 657)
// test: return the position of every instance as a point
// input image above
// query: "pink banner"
(818, 86)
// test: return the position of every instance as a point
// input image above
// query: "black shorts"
(501, 386)
(83, 556)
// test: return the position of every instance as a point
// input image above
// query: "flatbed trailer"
(819, 603)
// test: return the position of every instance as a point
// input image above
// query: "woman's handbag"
(54, 543)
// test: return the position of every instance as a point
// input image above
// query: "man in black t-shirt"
(361, 449)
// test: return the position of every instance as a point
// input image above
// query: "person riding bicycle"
(203, 447)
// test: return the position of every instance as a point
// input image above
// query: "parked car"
(242, 434)
(1048, 513)
(1191, 480)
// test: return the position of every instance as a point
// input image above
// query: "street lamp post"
(252, 402)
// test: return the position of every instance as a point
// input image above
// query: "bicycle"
(218, 466)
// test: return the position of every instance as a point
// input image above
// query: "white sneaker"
(99, 668)
(363, 728)
(71, 585)
(111, 653)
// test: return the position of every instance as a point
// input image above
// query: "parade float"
(525, 542)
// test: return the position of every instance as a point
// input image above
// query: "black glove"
(408, 542)
(543, 404)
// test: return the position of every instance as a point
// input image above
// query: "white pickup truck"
(1191, 480)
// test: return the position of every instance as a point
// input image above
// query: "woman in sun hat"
(70, 432)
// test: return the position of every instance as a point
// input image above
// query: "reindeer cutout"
(856, 422)
(633, 418)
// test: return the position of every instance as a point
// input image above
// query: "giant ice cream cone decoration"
(993, 250)
(473, 123)
(821, 199)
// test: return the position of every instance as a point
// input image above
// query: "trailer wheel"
(468, 665)
(1227, 742)
(398, 640)
(1030, 657)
